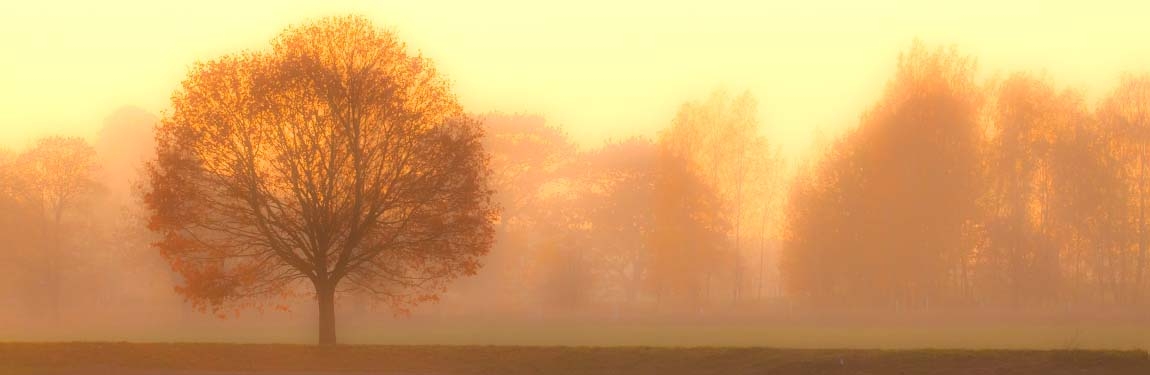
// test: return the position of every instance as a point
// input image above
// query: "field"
(126, 358)
(1013, 335)
(1032, 334)
(422, 346)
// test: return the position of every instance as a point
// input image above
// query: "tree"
(123, 145)
(333, 158)
(822, 219)
(1020, 260)
(1050, 195)
(57, 174)
(620, 177)
(881, 221)
(526, 154)
(527, 157)
(720, 138)
(765, 182)
(1088, 207)
(15, 228)
(1126, 113)
(558, 240)
(689, 232)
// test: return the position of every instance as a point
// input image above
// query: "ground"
(901, 333)
(189, 359)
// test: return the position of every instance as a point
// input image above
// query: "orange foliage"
(335, 159)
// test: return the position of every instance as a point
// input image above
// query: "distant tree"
(719, 137)
(57, 178)
(766, 181)
(688, 236)
(526, 154)
(334, 158)
(1126, 113)
(882, 220)
(563, 267)
(818, 264)
(1088, 209)
(123, 146)
(15, 227)
(620, 179)
(527, 157)
(1021, 259)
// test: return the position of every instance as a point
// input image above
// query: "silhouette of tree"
(881, 220)
(688, 239)
(1088, 206)
(1054, 203)
(719, 137)
(822, 218)
(620, 180)
(121, 240)
(560, 245)
(123, 146)
(527, 155)
(334, 158)
(1126, 113)
(1020, 258)
(57, 179)
(17, 239)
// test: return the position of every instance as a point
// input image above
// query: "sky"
(601, 69)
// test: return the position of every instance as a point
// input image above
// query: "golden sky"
(600, 68)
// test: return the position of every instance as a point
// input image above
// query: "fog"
(957, 209)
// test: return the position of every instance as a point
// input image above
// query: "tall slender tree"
(719, 138)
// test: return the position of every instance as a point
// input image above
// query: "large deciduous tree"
(334, 159)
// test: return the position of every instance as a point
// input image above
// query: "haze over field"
(802, 174)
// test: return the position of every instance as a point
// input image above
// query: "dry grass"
(1020, 335)
(100, 358)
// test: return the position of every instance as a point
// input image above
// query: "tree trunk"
(1141, 230)
(326, 296)
(762, 268)
(55, 264)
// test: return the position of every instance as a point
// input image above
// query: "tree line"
(959, 193)
(673, 224)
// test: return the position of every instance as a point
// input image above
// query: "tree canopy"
(335, 158)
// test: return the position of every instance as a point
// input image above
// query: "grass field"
(804, 335)
(126, 358)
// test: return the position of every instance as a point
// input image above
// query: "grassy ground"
(102, 358)
(1037, 336)
(982, 335)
